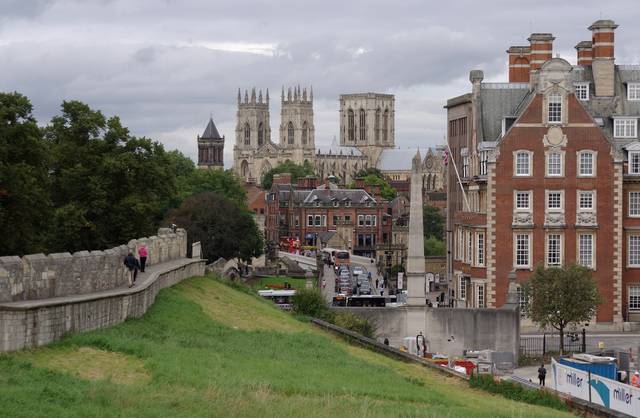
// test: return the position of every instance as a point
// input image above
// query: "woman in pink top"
(142, 252)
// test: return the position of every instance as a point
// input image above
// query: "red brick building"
(550, 166)
(312, 213)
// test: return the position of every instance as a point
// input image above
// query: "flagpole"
(453, 160)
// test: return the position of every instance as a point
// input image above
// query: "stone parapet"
(40, 276)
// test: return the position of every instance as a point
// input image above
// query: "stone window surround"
(530, 163)
(478, 257)
(594, 202)
(547, 155)
(547, 192)
(480, 301)
(631, 156)
(529, 208)
(629, 214)
(527, 266)
(635, 294)
(594, 247)
(582, 90)
(629, 264)
(563, 106)
(560, 249)
(594, 163)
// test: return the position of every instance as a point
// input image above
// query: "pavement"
(367, 266)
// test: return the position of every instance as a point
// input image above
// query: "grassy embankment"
(296, 283)
(206, 349)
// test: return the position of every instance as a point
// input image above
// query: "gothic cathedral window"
(351, 125)
(260, 134)
(247, 134)
(304, 133)
(385, 126)
(290, 133)
(377, 125)
(362, 127)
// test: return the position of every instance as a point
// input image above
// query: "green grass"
(294, 282)
(207, 349)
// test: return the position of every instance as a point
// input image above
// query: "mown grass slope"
(206, 349)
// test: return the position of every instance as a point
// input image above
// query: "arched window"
(362, 128)
(247, 134)
(377, 125)
(351, 125)
(385, 126)
(244, 169)
(555, 108)
(304, 133)
(290, 133)
(260, 134)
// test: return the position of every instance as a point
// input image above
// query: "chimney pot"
(541, 49)
(584, 53)
(519, 66)
(602, 50)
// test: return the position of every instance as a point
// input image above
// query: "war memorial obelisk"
(415, 260)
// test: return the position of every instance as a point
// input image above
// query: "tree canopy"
(433, 222)
(224, 228)
(296, 170)
(561, 296)
(374, 177)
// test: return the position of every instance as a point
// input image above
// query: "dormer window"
(582, 91)
(633, 91)
(555, 108)
(625, 127)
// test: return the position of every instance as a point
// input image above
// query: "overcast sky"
(165, 66)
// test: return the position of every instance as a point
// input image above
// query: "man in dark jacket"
(132, 264)
(542, 374)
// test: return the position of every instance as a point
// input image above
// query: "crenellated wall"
(40, 276)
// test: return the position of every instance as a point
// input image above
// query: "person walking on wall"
(142, 253)
(132, 264)
(542, 374)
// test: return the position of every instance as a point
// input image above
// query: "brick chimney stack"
(541, 49)
(585, 55)
(603, 56)
(519, 65)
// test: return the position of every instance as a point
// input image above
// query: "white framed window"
(480, 295)
(480, 248)
(367, 220)
(462, 287)
(360, 220)
(634, 204)
(586, 200)
(469, 247)
(625, 127)
(554, 164)
(634, 297)
(586, 164)
(522, 250)
(484, 159)
(318, 220)
(554, 250)
(522, 200)
(554, 200)
(465, 166)
(585, 250)
(634, 162)
(374, 220)
(522, 163)
(633, 250)
(310, 220)
(633, 91)
(582, 91)
(554, 108)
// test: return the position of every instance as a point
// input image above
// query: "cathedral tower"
(296, 120)
(252, 131)
(211, 148)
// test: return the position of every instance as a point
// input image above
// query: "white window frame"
(560, 155)
(594, 163)
(633, 291)
(634, 195)
(631, 261)
(309, 220)
(480, 296)
(529, 239)
(462, 288)
(318, 220)
(625, 127)
(516, 156)
(480, 249)
(374, 219)
(580, 260)
(367, 220)
(633, 91)
(631, 163)
(554, 116)
(360, 220)
(582, 91)
(581, 193)
(547, 250)
(546, 200)
(469, 247)
(529, 195)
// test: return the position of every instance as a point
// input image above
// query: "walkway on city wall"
(36, 322)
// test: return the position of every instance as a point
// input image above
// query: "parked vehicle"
(342, 258)
(358, 270)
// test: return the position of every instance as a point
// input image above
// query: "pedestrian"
(132, 265)
(542, 374)
(635, 379)
(142, 253)
(377, 283)
(324, 283)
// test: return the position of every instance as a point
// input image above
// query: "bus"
(282, 298)
(342, 258)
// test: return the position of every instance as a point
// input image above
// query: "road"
(367, 266)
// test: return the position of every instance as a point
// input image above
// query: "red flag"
(445, 157)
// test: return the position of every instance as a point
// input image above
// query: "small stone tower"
(252, 131)
(296, 119)
(211, 148)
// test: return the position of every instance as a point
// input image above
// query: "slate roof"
(210, 132)
(355, 196)
(336, 149)
(498, 100)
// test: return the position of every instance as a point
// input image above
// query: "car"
(358, 270)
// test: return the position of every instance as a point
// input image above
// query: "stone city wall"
(39, 276)
(33, 324)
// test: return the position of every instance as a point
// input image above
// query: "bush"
(517, 392)
(354, 323)
(310, 302)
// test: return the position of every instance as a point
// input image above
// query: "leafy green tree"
(374, 177)
(434, 247)
(25, 205)
(224, 228)
(296, 170)
(561, 296)
(433, 222)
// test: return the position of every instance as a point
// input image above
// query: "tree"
(224, 228)
(25, 204)
(434, 247)
(433, 222)
(374, 177)
(558, 297)
(296, 170)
